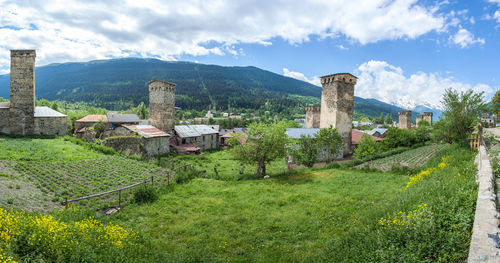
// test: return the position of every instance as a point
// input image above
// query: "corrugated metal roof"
(127, 118)
(187, 131)
(147, 131)
(93, 118)
(295, 133)
(4, 104)
(43, 111)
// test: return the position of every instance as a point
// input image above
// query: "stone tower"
(428, 117)
(313, 115)
(161, 105)
(337, 103)
(404, 119)
(22, 92)
(419, 118)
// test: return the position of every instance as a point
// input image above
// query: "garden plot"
(74, 179)
(413, 158)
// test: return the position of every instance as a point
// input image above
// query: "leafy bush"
(145, 194)
(307, 151)
(367, 146)
(396, 137)
(92, 146)
(185, 176)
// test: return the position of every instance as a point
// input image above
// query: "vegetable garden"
(413, 158)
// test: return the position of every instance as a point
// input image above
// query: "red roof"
(357, 134)
(187, 148)
(93, 118)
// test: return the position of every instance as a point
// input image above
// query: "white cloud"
(464, 38)
(342, 47)
(300, 76)
(385, 82)
(83, 30)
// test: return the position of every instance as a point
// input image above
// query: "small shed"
(202, 136)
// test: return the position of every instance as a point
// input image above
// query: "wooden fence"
(475, 141)
(119, 190)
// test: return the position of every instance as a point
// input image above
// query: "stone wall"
(4, 120)
(485, 240)
(337, 104)
(134, 145)
(22, 91)
(313, 115)
(51, 126)
(404, 119)
(428, 117)
(161, 105)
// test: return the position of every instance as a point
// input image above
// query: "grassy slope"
(276, 219)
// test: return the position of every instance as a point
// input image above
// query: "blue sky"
(405, 52)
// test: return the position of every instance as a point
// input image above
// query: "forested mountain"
(117, 84)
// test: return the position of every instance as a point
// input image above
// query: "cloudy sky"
(403, 51)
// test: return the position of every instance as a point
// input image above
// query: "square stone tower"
(337, 104)
(419, 118)
(313, 115)
(404, 119)
(161, 105)
(428, 117)
(22, 92)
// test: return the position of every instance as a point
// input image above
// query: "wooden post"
(168, 179)
(120, 198)
(152, 179)
(66, 203)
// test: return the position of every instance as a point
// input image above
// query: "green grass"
(62, 169)
(286, 218)
(413, 158)
(319, 216)
(26, 149)
(227, 168)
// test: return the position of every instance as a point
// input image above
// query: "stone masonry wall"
(51, 126)
(134, 145)
(22, 91)
(404, 119)
(313, 115)
(337, 103)
(161, 105)
(4, 120)
(428, 117)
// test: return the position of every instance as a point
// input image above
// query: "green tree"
(54, 106)
(495, 104)
(380, 119)
(423, 132)
(462, 111)
(366, 146)
(99, 128)
(396, 137)
(330, 139)
(142, 111)
(265, 143)
(307, 151)
(388, 119)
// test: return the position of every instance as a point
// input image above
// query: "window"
(42, 123)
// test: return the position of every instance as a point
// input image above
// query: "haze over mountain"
(120, 83)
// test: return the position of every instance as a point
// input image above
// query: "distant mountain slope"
(120, 83)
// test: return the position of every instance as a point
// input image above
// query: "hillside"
(118, 84)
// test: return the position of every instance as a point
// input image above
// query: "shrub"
(396, 137)
(185, 176)
(145, 194)
(307, 152)
(367, 146)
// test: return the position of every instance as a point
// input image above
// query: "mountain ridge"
(120, 83)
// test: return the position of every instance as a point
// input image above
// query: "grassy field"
(227, 168)
(321, 215)
(288, 218)
(50, 170)
(315, 215)
(413, 158)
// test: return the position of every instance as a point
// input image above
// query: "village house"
(323, 154)
(20, 115)
(197, 136)
(490, 121)
(377, 132)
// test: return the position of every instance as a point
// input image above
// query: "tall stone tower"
(161, 105)
(337, 104)
(428, 117)
(22, 92)
(404, 119)
(313, 115)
